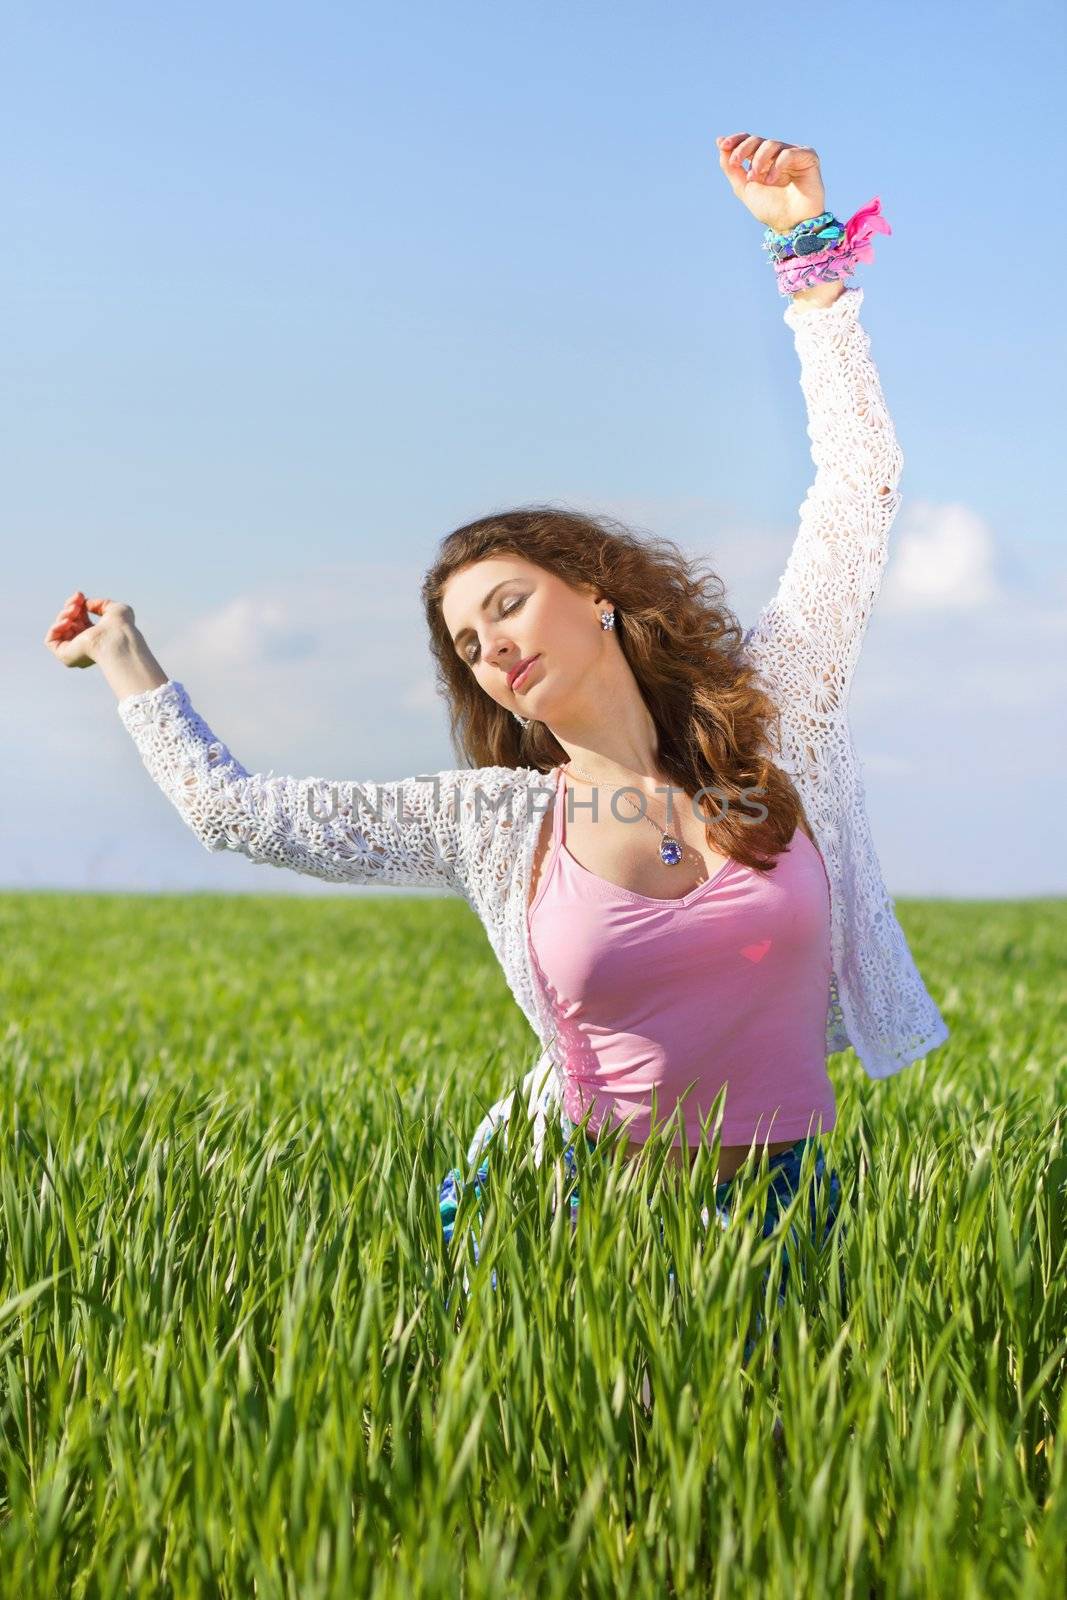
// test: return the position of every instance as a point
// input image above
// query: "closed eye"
(505, 611)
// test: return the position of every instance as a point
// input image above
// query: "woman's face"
(504, 609)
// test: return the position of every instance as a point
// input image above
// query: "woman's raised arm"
(403, 833)
(806, 640)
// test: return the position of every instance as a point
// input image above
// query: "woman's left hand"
(784, 185)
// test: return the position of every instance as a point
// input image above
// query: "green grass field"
(226, 1363)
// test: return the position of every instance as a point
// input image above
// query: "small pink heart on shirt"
(756, 952)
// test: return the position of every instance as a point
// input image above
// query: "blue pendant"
(670, 851)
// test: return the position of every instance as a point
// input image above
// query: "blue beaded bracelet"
(808, 238)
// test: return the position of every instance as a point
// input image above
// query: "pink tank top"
(674, 998)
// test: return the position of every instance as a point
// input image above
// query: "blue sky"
(293, 291)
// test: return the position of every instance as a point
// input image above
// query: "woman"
(741, 931)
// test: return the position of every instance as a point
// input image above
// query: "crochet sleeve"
(806, 640)
(397, 833)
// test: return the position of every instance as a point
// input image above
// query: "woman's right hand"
(784, 185)
(75, 639)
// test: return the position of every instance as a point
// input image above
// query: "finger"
(781, 167)
(73, 612)
(745, 149)
(764, 158)
(97, 606)
(728, 147)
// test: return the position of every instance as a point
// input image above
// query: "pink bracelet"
(838, 260)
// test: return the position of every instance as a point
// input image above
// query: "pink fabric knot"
(860, 228)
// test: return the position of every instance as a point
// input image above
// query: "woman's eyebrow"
(484, 606)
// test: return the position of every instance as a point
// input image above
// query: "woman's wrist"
(784, 224)
(819, 294)
(127, 663)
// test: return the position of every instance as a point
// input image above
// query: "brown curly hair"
(683, 645)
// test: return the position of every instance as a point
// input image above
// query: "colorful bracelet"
(821, 249)
(804, 239)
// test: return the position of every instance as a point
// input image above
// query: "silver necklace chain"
(670, 850)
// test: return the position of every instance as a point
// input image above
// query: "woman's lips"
(518, 682)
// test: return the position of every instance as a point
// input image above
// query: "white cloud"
(335, 657)
(250, 630)
(942, 560)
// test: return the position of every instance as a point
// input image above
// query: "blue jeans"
(784, 1169)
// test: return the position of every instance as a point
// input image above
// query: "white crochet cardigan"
(473, 830)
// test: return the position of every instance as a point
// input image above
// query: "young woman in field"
(661, 823)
